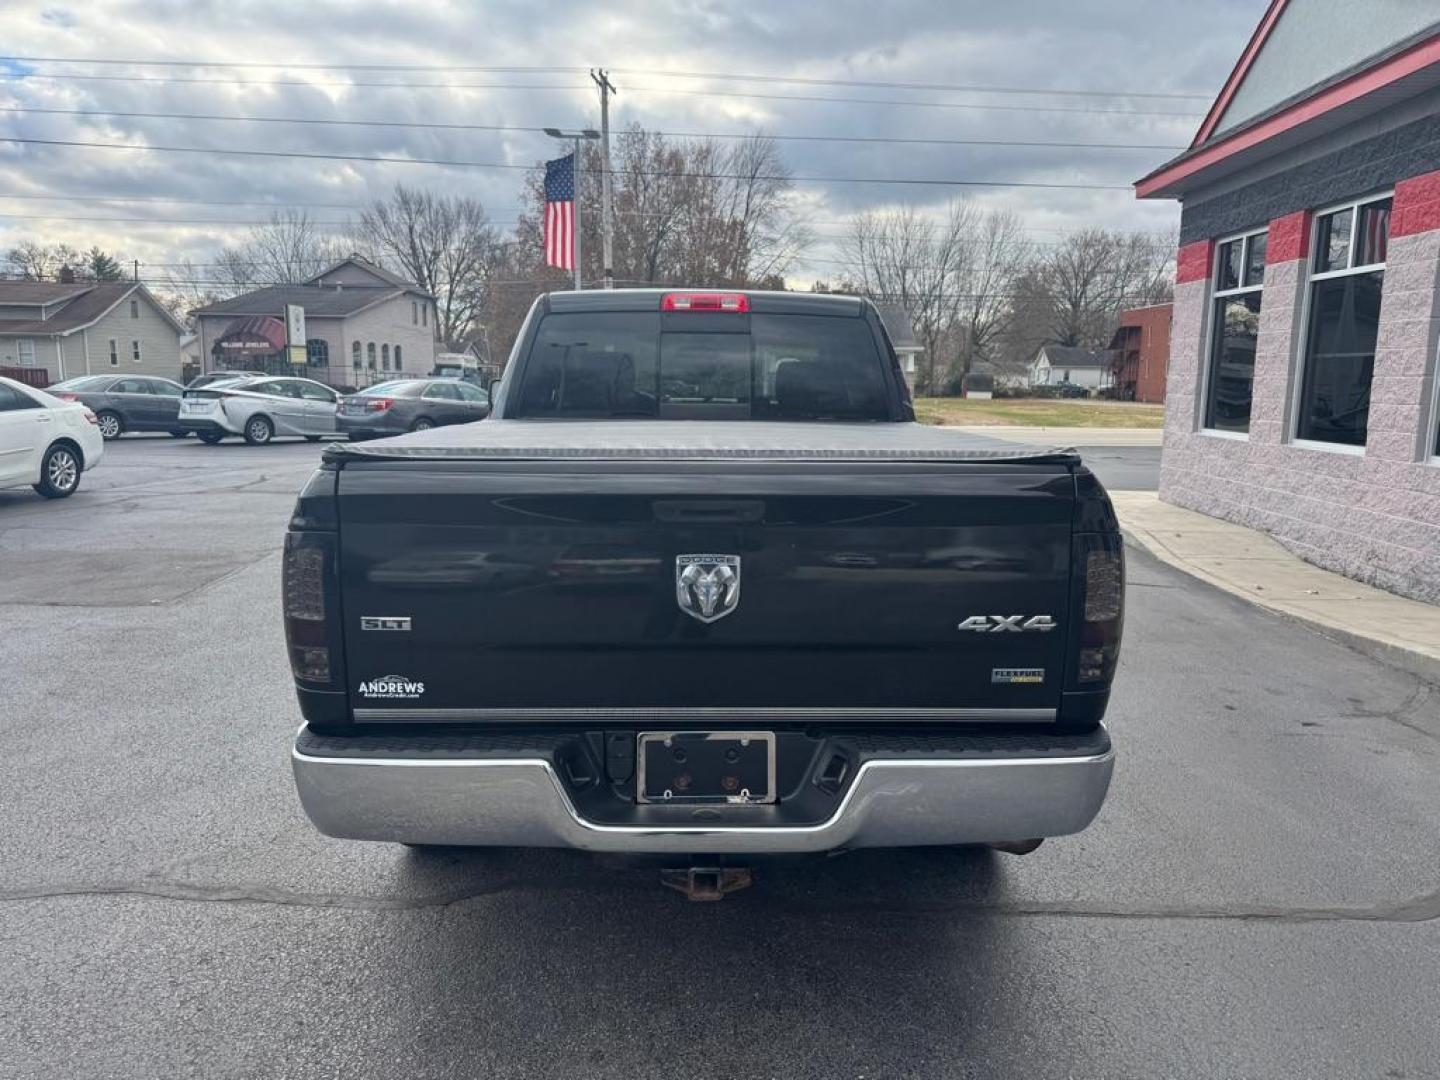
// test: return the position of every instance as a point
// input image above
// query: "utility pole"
(607, 205)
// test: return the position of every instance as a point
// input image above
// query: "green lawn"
(1039, 412)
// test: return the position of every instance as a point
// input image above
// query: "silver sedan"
(259, 409)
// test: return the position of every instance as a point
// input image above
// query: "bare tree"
(1027, 325)
(994, 254)
(903, 256)
(290, 247)
(445, 244)
(42, 262)
(1094, 273)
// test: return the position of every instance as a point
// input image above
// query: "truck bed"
(687, 440)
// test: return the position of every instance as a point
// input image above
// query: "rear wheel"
(59, 472)
(209, 437)
(423, 424)
(259, 430)
(110, 424)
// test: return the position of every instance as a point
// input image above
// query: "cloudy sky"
(1114, 71)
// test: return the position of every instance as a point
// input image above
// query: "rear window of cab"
(639, 365)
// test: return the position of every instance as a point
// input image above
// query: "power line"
(314, 156)
(842, 222)
(393, 85)
(971, 88)
(68, 77)
(160, 221)
(100, 61)
(180, 200)
(555, 69)
(632, 89)
(431, 126)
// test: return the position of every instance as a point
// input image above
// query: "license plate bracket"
(735, 768)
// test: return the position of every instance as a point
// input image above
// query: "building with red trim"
(1302, 395)
(1140, 349)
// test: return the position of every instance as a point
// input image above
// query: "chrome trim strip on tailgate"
(521, 802)
(708, 714)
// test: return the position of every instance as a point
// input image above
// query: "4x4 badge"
(707, 587)
(1015, 624)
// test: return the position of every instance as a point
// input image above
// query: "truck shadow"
(848, 965)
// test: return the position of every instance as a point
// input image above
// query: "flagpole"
(576, 191)
(578, 284)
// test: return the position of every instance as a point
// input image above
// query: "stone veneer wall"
(1374, 517)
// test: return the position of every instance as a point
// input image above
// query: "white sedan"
(259, 408)
(45, 442)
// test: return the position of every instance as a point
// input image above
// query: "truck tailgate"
(490, 590)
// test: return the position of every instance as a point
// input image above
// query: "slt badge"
(707, 587)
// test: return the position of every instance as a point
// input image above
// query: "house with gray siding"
(363, 324)
(1302, 397)
(86, 328)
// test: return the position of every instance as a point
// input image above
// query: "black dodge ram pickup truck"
(701, 584)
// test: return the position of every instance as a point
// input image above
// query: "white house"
(363, 324)
(901, 332)
(1058, 365)
(67, 329)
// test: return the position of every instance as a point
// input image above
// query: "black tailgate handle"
(709, 511)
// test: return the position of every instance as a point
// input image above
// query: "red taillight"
(737, 303)
(305, 595)
(91, 418)
(379, 404)
(66, 397)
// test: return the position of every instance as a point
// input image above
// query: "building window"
(27, 352)
(355, 354)
(414, 313)
(370, 355)
(134, 309)
(384, 357)
(317, 352)
(397, 357)
(1346, 284)
(114, 353)
(424, 314)
(135, 349)
(1234, 331)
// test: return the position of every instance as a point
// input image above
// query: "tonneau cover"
(693, 440)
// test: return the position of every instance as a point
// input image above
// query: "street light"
(583, 133)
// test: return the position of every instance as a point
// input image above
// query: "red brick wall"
(1289, 238)
(1153, 324)
(1192, 262)
(1416, 205)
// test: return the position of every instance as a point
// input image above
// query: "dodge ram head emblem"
(707, 587)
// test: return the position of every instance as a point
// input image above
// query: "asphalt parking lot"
(1260, 897)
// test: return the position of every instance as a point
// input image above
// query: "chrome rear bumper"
(521, 802)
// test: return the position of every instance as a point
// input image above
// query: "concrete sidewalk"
(1065, 436)
(1249, 564)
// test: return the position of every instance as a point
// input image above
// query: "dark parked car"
(124, 403)
(392, 408)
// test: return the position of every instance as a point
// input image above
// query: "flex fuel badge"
(1017, 675)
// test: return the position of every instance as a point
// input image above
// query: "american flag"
(1374, 233)
(560, 212)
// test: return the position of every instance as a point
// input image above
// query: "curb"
(1419, 664)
